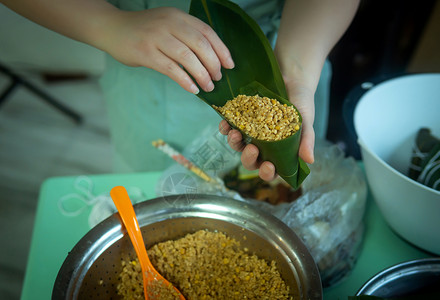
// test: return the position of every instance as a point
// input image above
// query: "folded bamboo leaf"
(249, 48)
(256, 72)
(284, 153)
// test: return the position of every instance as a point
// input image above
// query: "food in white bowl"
(387, 119)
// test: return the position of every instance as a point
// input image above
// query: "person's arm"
(308, 31)
(160, 39)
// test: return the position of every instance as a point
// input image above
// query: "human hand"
(303, 99)
(166, 38)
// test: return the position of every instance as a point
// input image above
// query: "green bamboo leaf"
(248, 45)
(284, 153)
(256, 72)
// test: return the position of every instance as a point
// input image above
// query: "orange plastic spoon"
(150, 275)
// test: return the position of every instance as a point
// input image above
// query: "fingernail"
(194, 89)
(253, 153)
(218, 76)
(230, 63)
(236, 138)
(223, 128)
(210, 87)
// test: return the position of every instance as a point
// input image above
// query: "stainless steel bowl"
(91, 269)
(418, 279)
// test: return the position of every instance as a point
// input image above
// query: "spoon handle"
(125, 208)
(126, 212)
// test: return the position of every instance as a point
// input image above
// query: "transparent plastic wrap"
(211, 153)
(327, 216)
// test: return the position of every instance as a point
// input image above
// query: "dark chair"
(17, 80)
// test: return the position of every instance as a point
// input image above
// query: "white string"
(417, 154)
(431, 167)
(436, 183)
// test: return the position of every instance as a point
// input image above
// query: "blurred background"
(386, 39)
(38, 141)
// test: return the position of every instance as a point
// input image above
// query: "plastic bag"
(327, 216)
(211, 153)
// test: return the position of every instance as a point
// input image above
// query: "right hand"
(164, 39)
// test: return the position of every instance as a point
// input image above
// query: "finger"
(303, 99)
(224, 127)
(235, 140)
(216, 43)
(202, 48)
(181, 54)
(307, 144)
(267, 171)
(249, 157)
(170, 68)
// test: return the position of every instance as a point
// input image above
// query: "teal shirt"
(144, 105)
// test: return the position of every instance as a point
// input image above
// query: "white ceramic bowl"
(387, 119)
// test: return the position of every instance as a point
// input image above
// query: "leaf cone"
(256, 72)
